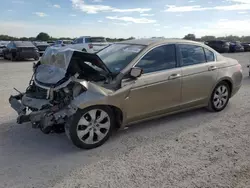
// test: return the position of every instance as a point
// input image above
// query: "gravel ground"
(192, 149)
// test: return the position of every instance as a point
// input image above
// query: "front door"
(158, 90)
(199, 73)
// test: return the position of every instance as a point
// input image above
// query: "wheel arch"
(228, 80)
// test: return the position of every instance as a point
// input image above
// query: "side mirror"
(135, 72)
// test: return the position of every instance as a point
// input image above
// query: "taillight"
(239, 67)
(90, 45)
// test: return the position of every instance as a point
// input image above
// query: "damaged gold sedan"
(89, 95)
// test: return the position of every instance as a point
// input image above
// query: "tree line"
(46, 37)
(210, 37)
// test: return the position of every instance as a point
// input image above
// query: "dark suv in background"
(220, 46)
(236, 47)
(17, 50)
(246, 46)
(41, 46)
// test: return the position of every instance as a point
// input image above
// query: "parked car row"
(84, 43)
(41, 46)
(17, 50)
(223, 46)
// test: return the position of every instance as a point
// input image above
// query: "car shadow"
(23, 138)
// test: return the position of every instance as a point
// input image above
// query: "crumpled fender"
(97, 95)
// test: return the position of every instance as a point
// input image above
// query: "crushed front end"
(46, 108)
(56, 82)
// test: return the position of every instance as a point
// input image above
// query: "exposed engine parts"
(47, 113)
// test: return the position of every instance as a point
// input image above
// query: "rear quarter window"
(209, 55)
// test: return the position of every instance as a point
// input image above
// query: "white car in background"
(3, 45)
(89, 44)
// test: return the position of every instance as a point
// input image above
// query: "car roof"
(157, 41)
(90, 37)
(40, 42)
(23, 43)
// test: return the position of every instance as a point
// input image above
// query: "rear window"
(67, 41)
(209, 55)
(95, 39)
(23, 44)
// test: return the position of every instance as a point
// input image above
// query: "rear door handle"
(174, 76)
(211, 68)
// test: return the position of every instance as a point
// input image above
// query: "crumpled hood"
(57, 63)
(49, 74)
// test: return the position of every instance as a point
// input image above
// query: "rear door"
(199, 73)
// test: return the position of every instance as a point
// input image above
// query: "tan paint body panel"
(153, 95)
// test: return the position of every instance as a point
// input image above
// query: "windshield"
(117, 56)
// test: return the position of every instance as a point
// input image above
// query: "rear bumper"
(240, 50)
(27, 54)
(235, 90)
(224, 50)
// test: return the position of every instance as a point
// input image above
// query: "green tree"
(42, 37)
(208, 37)
(189, 36)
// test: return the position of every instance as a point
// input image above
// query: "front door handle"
(211, 68)
(174, 76)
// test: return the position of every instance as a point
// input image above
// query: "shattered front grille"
(36, 92)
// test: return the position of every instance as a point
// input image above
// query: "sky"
(125, 18)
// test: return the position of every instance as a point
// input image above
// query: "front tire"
(220, 97)
(90, 127)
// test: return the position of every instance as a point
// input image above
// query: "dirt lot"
(192, 149)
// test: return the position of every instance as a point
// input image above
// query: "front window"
(158, 59)
(118, 56)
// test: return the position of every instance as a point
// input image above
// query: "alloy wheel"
(93, 126)
(220, 97)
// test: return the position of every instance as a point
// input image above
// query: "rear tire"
(219, 97)
(13, 57)
(90, 127)
(4, 57)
